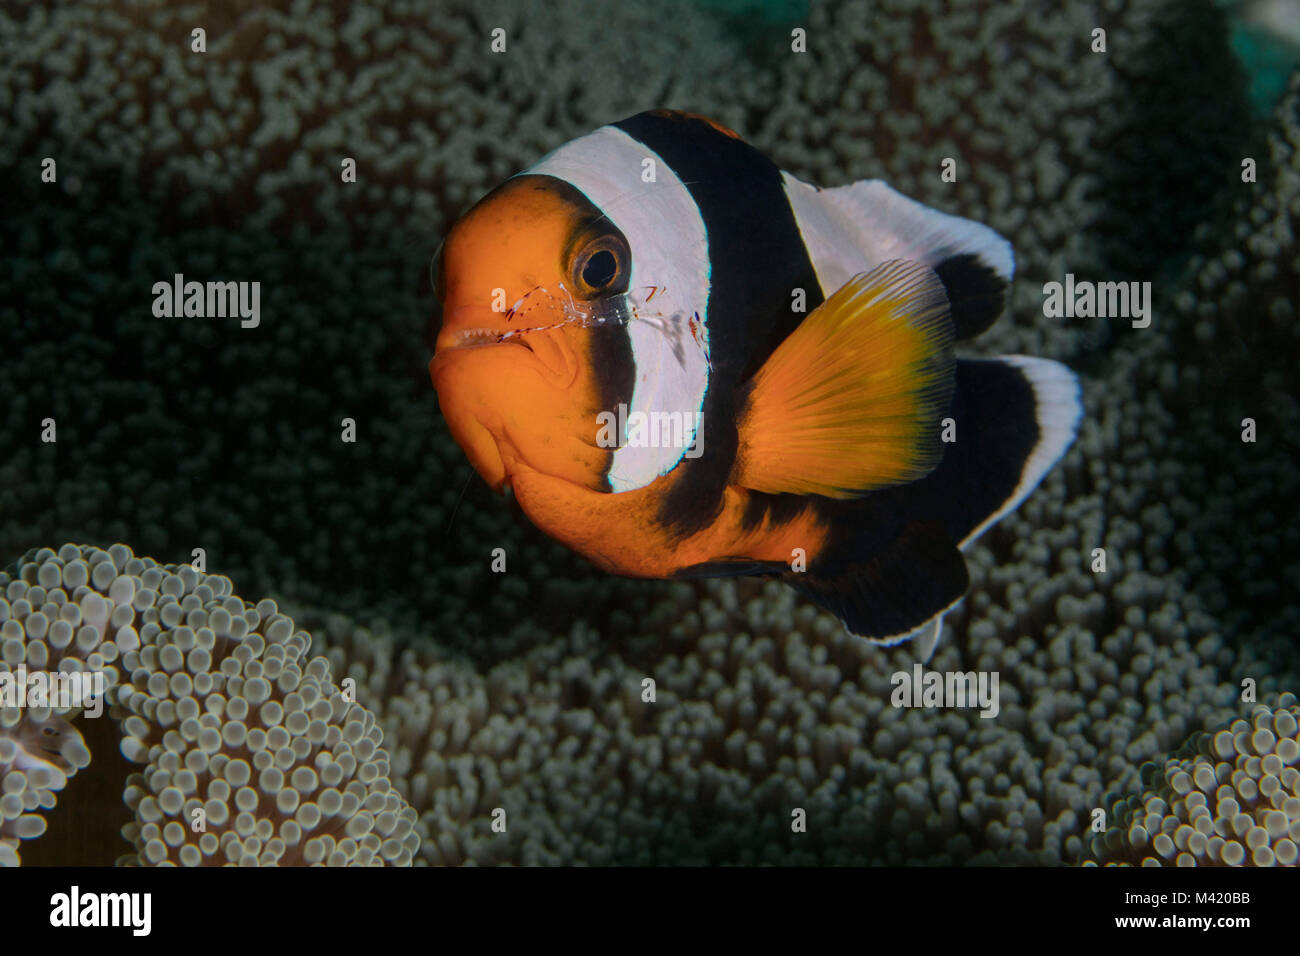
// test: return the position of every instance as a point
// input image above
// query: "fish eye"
(600, 269)
(602, 266)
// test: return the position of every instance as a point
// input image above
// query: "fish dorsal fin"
(853, 398)
(848, 229)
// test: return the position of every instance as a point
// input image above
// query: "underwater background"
(1132, 690)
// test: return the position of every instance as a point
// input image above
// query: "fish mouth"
(478, 338)
(549, 356)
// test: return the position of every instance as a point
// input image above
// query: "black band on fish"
(757, 259)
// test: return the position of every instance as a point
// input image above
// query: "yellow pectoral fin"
(853, 399)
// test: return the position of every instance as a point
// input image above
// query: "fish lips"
(549, 355)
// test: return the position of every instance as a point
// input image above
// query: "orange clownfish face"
(530, 280)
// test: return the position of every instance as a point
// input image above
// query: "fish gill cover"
(1142, 600)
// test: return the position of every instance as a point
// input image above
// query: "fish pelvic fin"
(898, 593)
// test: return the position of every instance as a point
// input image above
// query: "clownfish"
(686, 362)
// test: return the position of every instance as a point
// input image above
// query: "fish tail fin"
(1014, 417)
(894, 566)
